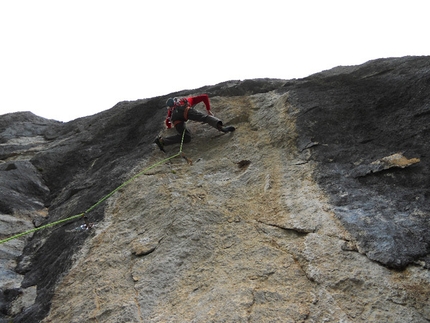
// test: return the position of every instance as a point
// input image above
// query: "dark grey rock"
(361, 114)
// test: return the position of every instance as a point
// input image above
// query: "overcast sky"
(68, 59)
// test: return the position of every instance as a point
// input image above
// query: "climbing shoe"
(226, 129)
(159, 143)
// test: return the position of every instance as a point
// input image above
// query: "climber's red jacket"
(187, 102)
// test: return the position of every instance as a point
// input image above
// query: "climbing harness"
(186, 110)
(87, 225)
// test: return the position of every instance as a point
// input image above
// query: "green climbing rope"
(101, 200)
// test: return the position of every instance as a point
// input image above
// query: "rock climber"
(179, 110)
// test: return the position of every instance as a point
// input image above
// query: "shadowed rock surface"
(316, 209)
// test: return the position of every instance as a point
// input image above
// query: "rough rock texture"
(315, 210)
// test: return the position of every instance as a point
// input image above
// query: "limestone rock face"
(316, 209)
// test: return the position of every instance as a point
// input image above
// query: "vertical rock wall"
(315, 209)
(215, 242)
